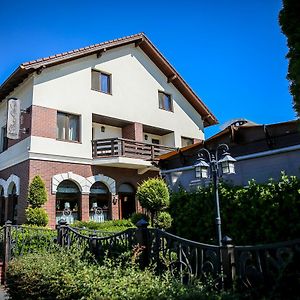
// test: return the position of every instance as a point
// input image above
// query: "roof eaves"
(208, 116)
(77, 53)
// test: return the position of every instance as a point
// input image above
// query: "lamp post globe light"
(213, 165)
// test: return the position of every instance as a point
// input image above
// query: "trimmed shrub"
(163, 220)
(37, 195)
(135, 217)
(36, 216)
(111, 225)
(153, 195)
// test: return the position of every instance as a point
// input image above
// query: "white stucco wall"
(109, 132)
(18, 152)
(23, 92)
(135, 84)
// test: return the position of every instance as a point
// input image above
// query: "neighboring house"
(261, 151)
(96, 119)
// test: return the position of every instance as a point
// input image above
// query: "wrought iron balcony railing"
(128, 148)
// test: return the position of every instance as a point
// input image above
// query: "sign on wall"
(13, 118)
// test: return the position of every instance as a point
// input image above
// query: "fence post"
(93, 245)
(143, 241)
(7, 245)
(61, 232)
(228, 262)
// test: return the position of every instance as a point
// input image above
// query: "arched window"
(68, 199)
(126, 200)
(2, 205)
(99, 202)
(12, 203)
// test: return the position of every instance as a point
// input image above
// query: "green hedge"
(31, 239)
(260, 213)
(111, 225)
(65, 275)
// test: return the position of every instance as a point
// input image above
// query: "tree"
(37, 196)
(289, 19)
(153, 195)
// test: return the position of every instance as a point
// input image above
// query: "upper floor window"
(165, 101)
(101, 81)
(67, 127)
(4, 139)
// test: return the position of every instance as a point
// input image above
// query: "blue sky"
(231, 52)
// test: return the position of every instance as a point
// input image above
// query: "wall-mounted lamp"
(146, 137)
(102, 128)
(114, 199)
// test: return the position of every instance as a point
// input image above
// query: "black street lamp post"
(214, 166)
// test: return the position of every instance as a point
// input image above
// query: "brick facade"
(133, 132)
(22, 171)
(40, 116)
(33, 120)
(47, 169)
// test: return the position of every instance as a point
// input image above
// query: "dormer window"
(101, 81)
(165, 101)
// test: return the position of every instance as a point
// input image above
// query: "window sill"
(69, 141)
(172, 111)
(101, 92)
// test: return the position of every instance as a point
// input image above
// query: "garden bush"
(33, 239)
(66, 275)
(163, 220)
(111, 225)
(36, 216)
(37, 195)
(259, 213)
(153, 195)
(135, 217)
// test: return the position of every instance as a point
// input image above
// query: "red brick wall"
(22, 171)
(47, 169)
(133, 132)
(40, 121)
(43, 122)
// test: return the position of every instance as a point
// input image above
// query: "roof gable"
(140, 40)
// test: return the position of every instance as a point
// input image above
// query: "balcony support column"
(133, 132)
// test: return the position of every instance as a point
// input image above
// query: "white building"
(96, 119)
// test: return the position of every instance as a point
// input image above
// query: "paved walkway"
(3, 294)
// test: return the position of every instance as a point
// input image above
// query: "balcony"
(120, 147)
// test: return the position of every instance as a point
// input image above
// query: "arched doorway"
(12, 213)
(99, 202)
(68, 200)
(126, 200)
(2, 205)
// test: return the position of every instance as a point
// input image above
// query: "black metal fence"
(246, 266)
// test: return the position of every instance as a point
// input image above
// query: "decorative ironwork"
(186, 259)
(250, 267)
(258, 266)
(25, 240)
(112, 245)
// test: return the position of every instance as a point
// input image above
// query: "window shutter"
(95, 80)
